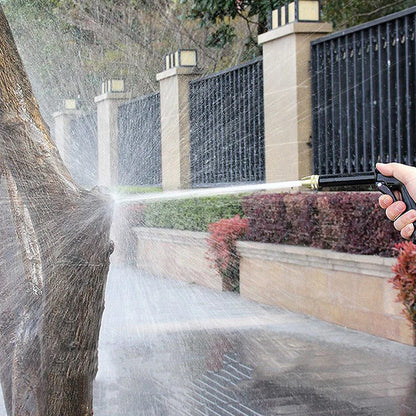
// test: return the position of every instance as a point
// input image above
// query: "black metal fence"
(83, 151)
(139, 142)
(363, 95)
(227, 126)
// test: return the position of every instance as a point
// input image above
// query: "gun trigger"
(384, 189)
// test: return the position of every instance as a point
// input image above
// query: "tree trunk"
(54, 299)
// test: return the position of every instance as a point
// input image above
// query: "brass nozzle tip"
(311, 181)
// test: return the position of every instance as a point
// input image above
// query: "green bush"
(191, 214)
(127, 189)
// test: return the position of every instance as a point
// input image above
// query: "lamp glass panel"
(187, 58)
(291, 12)
(117, 85)
(283, 15)
(308, 10)
(176, 59)
(275, 19)
(70, 104)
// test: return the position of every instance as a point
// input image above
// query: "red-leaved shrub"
(222, 250)
(301, 214)
(404, 279)
(352, 222)
(343, 221)
(267, 214)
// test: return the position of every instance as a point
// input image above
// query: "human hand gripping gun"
(385, 184)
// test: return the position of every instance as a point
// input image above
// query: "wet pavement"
(170, 348)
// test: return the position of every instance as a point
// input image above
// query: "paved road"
(170, 348)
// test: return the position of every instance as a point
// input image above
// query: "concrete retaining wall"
(176, 254)
(345, 289)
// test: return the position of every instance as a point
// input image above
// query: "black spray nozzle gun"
(385, 184)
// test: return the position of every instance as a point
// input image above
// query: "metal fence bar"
(139, 142)
(364, 95)
(227, 126)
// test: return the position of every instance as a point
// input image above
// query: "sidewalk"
(169, 348)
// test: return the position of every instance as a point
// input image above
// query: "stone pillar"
(62, 132)
(287, 98)
(174, 113)
(107, 136)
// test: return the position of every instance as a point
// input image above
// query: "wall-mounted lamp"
(181, 58)
(112, 85)
(296, 11)
(71, 104)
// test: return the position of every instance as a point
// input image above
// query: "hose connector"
(311, 181)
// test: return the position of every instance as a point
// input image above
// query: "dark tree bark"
(52, 293)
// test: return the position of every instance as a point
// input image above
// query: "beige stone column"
(287, 99)
(62, 132)
(107, 136)
(174, 113)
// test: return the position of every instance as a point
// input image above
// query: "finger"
(385, 201)
(407, 231)
(395, 210)
(405, 219)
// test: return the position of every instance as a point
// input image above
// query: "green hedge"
(191, 214)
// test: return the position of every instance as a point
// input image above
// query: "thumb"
(404, 173)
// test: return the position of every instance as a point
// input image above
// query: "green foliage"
(127, 189)
(220, 15)
(209, 11)
(40, 5)
(191, 214)
(221, 37)
(347, 13)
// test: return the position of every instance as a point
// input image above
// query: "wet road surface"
(170, 348)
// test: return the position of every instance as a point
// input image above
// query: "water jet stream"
(207, 192)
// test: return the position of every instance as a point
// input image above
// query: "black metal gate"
(227, 126)
(139, 142)
(363, 95)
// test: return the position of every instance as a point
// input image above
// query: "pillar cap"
(113, 96)
(69, 113)
(176, 71)
(294, 28)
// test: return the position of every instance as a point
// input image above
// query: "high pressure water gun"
(385, 184)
